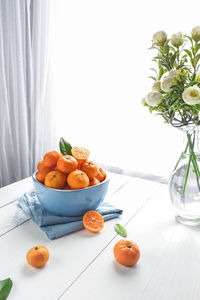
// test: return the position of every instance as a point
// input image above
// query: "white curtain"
(26, 102)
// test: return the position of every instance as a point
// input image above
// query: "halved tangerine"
(80, 153)
(93, 221)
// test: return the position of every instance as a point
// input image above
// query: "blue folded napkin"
(56, 226)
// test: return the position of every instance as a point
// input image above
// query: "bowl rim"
(71, 191)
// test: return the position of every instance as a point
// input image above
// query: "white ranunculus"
(143, 101)
(156, 86)
(191, 95)
(195, 33)
(166, 83)
(159, 38)
(153, 98)
(172, 73)
(177, 39)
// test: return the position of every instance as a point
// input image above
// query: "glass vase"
(184, 182)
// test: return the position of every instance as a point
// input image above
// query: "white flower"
(143, 101)
(159, 38)
(195, 33)
(169, 80)
(177, 39)
(153, 98)
(166, 83)
(156, 86)
(191, 95)
(172, 73)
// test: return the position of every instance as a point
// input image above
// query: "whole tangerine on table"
(55, 180)
(126, 252)
(93, 221)
(37, 256)
(78, 180)
(67, 164)
(51, 158)
(90, 168)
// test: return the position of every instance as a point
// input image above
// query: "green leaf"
(152, 77)
(159, 58)
(172, 59)
(196, 59)
(120, 230)
(65, 148)
(188, 53)
(187, 36)
(5, 288)
(154, 71)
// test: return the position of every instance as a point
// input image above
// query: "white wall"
(102, 69)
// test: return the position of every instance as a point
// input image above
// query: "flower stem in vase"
(181, 157)
(193, 159)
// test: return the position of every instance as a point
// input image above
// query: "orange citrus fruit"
(94, 181)
(80, 153)
(101, 175)
(41, 165)
(90, 168)
(40, 175)
(51, 158)
(126, 252)
(67, 164)
(55, 180)
(78, 180)
(93, 221)
(37, 256)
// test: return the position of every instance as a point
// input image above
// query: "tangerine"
(93, 221)
(90, 168)
(67, 164)
(51, 158)
(126, 252)
(40, 165)
(40, 176)
(94, 181)
(80, 153)
(78, 180)
(37, 256)
(101, 175)
(55, 180)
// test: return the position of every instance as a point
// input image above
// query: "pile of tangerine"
(67, 172)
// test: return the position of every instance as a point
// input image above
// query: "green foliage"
(120, 230)
(5, 288)
(186, 60)
(65, 147)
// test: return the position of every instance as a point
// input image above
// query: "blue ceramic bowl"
(70, 202)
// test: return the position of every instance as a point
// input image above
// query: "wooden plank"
(69, 256)
(14, 191)
(169, 267)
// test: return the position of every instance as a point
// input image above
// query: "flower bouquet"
(175, 96)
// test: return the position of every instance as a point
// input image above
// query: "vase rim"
(190, 128)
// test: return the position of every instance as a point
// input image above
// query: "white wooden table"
(81, 264)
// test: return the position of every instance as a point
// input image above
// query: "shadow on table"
(123, 270)
(30, 271)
